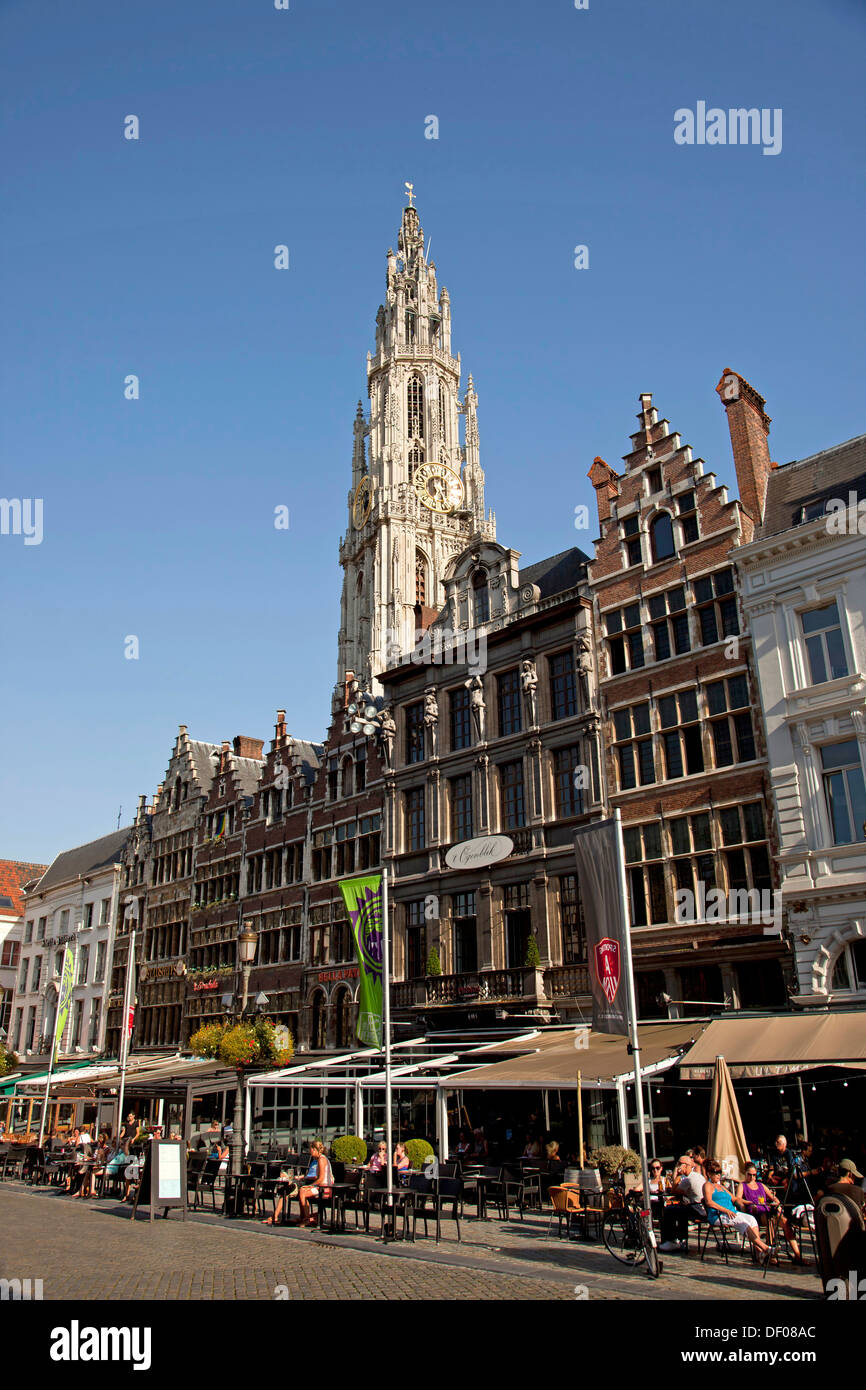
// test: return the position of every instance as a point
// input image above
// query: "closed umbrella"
(726, 1142)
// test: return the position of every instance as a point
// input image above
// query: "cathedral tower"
(417, 493)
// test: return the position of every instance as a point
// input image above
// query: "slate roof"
(833, 473)
(84, 859)
(248, 771)
(13, 876)
(203, 761)
(557, 573)
(310, 755)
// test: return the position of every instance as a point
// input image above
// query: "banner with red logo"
(597, 850)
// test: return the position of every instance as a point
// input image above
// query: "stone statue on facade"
(529, 684)
(477, 708)
(584, 671)
(431, 719)
(387, 734)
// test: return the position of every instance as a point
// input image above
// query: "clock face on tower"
(438, 487)
(362, 502)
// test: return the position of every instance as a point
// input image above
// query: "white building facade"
(804, 594)
(74, 903)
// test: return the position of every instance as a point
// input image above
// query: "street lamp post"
(247, 942)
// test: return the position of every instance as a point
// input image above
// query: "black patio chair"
(207, 1183)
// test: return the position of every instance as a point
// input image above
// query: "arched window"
(318, 1032)
(415, 408)
(359, 587)
(420, 579)
(410, 327)
(480, 597)
(849, 969)
(343, 1011)
(662, 537)
(347, 768)
(177, 786)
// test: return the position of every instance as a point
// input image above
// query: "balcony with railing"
(566, 981)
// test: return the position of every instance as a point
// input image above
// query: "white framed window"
(844, 791)
(825, 645)
(849, 968)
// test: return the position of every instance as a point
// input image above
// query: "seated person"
(402, 1162)
(766, 1208)
(479, 1150)
(688, 1187)
(463, 1147)
(533, 1147)
(555, 1165)
(321, 1184)
(379, 1160)
(722, 1207)
(781, 1167)
(848, 1183)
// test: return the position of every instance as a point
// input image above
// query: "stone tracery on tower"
(417, 493)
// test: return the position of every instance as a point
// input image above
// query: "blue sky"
(260, 127)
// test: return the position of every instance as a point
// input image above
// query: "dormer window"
(662, 538)
(480, 597)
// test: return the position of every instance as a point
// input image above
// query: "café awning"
(603, 1062)
(776, 1044)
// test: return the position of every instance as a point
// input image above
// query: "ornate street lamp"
(248, 940)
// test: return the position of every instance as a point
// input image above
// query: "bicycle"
(628, 1234)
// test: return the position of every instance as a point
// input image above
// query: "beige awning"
(772, 1046)
(556, 1059)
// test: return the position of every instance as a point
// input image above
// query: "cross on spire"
(410, 192)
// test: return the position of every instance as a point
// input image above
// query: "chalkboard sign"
(163, 1180)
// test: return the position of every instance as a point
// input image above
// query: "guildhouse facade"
(804, 595)
(685, 759)
(73, 903)
(499, 736)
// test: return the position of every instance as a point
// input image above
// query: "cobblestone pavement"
(92, 1250)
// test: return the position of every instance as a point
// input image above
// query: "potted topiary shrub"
(349, 1149)
(613, 1157)
(418, 1151)
(434, 965)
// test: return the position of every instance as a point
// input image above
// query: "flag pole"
(632, 1009)
(124, 1037)
(47, 1090)
(386, 1025)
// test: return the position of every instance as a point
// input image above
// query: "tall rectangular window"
(461, 724)
(465, 933)
(646, 875)
(415, 732)
(845, 791)
(415, 818)
(681, 736)
(563, 686)
(717, 606)
(508, 699)
(511, 796)
(571, 921)
(733, 735)
(87, 921)
(104, 912)
(416, 959)
(824, 646)
(633, 746)
(631, 541)
(568, 787)
(461, 807)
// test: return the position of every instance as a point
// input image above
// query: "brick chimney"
(604, 480)
(280, 729)
(248, 747)
(749, 426)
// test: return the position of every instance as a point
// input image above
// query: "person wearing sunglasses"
(765, 1206)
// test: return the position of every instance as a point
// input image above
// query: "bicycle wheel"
(623, 1237)
(653, 1263)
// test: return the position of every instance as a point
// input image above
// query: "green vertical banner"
(363, 899)
(67, 980)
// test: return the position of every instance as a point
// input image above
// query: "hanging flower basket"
(242, 1045)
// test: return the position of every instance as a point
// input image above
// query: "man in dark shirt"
(848, 1183)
